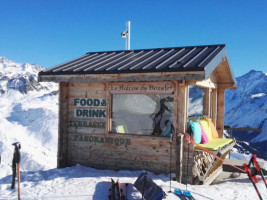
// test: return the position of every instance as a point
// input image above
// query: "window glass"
(196, 95)
(146, 114)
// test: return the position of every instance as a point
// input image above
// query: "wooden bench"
(207, 167)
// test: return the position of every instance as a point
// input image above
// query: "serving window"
(146, 109)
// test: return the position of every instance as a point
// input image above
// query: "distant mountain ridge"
(247, 107)
(21, 77)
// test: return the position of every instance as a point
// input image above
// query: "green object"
(215, 144)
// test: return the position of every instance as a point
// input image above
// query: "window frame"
(112, 90)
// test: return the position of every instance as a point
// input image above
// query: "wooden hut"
(116, 108)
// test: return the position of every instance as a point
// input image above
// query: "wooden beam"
(206, 102)
(179, 157)
(243, 129)
(62, 159)
(182, 106)
(214, 106)
(175, 105)
(220, 110)
(208, 83)
(109, 110)
(155, 76)
(227, 86)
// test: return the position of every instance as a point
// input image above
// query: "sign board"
(89, 112)
(142, 87)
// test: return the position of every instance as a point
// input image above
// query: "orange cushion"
(214, 132)
(205, 124)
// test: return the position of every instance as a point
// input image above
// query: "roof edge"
(213, 64)
(163, 76)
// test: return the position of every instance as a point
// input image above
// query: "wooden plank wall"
(95, 147)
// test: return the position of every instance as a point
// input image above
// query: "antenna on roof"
(126, 35)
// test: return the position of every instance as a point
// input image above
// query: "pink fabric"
(204, 137)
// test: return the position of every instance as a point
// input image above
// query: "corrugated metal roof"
(177, 59)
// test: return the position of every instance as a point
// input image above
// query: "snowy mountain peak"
(246, 107)
(252, 74)
(3, 59)
(252, 83)
(21, 77)
(13, 68)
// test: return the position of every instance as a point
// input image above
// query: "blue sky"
(49, 32)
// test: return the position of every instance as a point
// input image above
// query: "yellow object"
(215, 144)
(120, 129)
(213, 130)
(206, 127)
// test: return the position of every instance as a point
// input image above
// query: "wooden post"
(182, 113)
(109, 110)
(182, 106)
(206, 102)
(220, 110)
(62, 159)
(214, 107)
(179, 158)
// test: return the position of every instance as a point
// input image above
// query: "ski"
(112, 192)
(115, 191)
(126, 196)
(188, 195)
(119, 191)
(179, 193)
(185, 195)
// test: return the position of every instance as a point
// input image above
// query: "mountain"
(21, 77)
(29, 114)
(246, 107)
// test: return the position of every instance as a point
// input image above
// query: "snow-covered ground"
(32, 120)
(81, 182)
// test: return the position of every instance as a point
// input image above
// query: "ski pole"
(256, 164)
(253, 179)
(18, 173)
(257, 191)
(13, 174)
(171, 140)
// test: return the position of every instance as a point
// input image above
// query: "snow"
(81, 182)
(32, 120)
(257, 95)
(246, 106)
(27, 119)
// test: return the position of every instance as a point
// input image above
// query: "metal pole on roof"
(126, 35)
